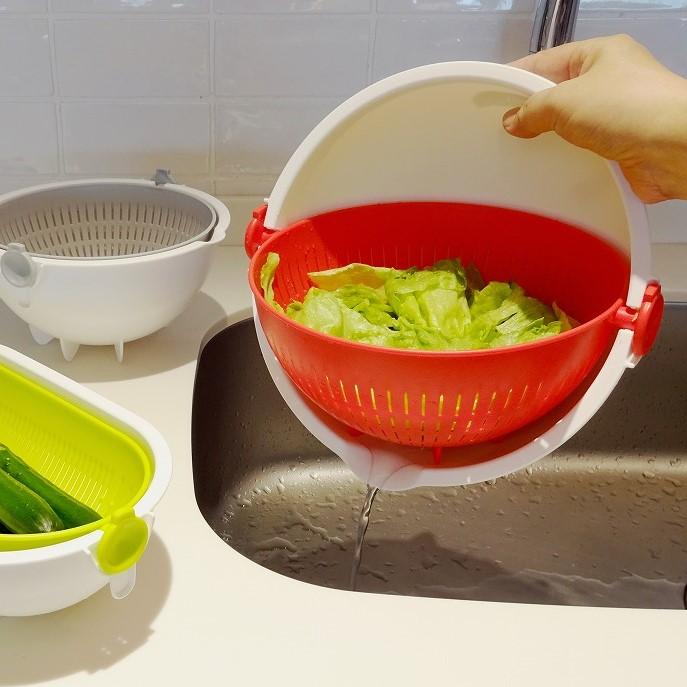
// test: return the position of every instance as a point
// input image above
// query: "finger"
(561, 63)
(538, 114)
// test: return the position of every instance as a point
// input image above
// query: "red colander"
(449, 398)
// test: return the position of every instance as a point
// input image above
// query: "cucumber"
(22, 511)
(73, 513)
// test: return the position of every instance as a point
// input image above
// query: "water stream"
(363, 522)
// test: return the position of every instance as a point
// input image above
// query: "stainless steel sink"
(602, 522)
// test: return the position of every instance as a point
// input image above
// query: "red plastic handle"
(645, 321)
(256, 232)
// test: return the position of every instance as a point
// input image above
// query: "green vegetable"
(356, 273)
(267, 279)
(433, 298)
(443, 307)
(71, 512)
(567, 322)
(24, 512)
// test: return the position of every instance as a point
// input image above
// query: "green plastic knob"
(124, 540)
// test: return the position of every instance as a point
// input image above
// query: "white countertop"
(203, 614)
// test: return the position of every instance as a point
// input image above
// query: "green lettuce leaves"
(443, 307)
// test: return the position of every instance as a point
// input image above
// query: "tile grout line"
(212, 153)
(374, 18)
(161, 99)
(61, 165)
(585, 13)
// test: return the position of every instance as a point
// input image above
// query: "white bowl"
(49, 578)
(111, 301)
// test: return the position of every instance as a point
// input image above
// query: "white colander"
(434, 134)
(105, 261)
(80, 221)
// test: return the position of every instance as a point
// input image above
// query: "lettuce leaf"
(442, 307)
(368, 301)
(267, 274)
(356, 273)
(433, 298)
(566, 321)
(321, 310)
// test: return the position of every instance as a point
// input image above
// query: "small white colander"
(105, 261)
(86, 221)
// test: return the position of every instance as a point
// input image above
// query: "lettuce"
(442, 307)
(267, 274)
(356, 273)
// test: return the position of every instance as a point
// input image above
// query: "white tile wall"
(24, 56)
(255, 135)
(136, 138)
(112, 58)
(270, 6)
(406, 40)
(138, 6)
(222, 91)
(633, 6)
(419, 6)
(666, 37)
(29, 145)
(23, 5)
(291, 55)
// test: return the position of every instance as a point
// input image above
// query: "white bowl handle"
(20, 271)
(18, 267)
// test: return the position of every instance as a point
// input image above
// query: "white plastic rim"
(399, 468)
(211, 203)
(218, 234)
(524, 83)
(95, 403)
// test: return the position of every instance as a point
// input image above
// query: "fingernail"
(509, 118)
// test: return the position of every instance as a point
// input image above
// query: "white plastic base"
(42, 580)
(398, 468)
(70, 348)
(39, 336)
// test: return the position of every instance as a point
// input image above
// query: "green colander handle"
(124, 540)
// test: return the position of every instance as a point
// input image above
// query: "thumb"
(538, 114)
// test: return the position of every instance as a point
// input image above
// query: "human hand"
(615, 99)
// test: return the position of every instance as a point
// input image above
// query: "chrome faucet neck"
(554, 23)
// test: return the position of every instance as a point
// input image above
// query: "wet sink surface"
(602, 522)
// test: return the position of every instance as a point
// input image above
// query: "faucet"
(554, 23)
